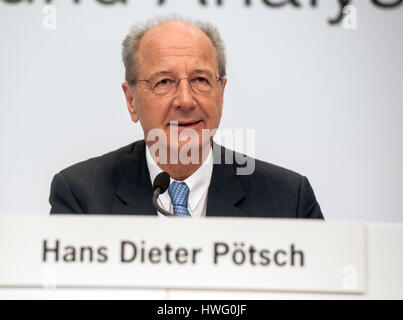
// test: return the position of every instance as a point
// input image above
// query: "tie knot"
(179, 193)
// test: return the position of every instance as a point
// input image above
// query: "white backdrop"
(325, 101)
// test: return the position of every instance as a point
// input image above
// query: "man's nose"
(184, 95)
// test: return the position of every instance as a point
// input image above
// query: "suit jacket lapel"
(225, 190)
(134, 189)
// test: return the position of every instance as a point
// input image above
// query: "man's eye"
(164, 82)
(200, 80)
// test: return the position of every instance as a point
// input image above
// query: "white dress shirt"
(198, 184)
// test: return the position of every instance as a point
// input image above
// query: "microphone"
(160, 185)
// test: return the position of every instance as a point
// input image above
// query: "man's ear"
(130, 101)
(224, 82)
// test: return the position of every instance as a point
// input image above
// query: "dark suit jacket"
(119, 183)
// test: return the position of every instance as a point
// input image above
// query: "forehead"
(175, 46)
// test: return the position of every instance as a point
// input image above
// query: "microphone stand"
(156, 194)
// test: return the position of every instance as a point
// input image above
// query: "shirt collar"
(198, 182)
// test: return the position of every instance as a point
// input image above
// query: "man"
(175, 81)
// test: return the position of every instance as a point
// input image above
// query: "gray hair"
(131, 42)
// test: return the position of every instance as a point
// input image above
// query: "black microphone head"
(162, 181)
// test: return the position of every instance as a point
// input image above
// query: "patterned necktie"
(179, 193)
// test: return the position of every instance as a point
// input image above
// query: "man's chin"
(189, 146)
(182, 146)
(189, 152)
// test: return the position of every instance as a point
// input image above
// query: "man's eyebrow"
(162, 73)
(170, 73)
(202, 71)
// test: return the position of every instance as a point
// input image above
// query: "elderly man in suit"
(175, 81)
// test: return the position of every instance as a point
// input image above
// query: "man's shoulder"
(91, 185)
(265, 169)
(268, 176)
(261, 170)
(102, 164)
(274, 191)
(257, 178)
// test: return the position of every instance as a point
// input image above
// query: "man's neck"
(181, 171)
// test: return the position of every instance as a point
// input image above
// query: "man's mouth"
(185, 124)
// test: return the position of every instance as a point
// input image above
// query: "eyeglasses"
(164, 84)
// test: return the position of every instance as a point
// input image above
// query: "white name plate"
(151, 252)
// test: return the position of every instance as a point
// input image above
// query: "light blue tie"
(179, 193)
